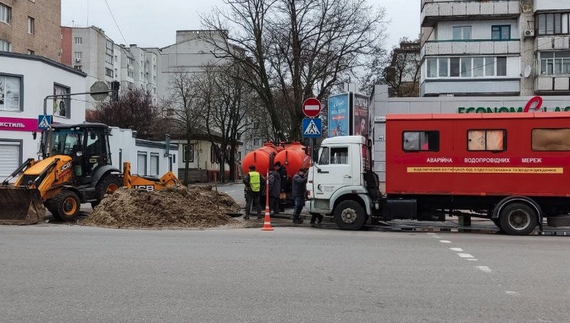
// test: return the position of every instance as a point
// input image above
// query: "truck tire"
(108, 184)
(349, 215)
(67, 205)
(518, 219)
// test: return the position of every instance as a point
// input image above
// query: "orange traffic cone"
(267, 220)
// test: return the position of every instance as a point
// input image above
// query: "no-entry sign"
(312, 107)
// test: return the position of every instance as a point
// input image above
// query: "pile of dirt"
(172, 207)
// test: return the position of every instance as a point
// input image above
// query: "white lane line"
(464, 255)
(472, 259)
(456, 249)
(484, 269)
(444, 241)
(511, 293)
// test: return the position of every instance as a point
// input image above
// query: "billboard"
(360, 114)
(339, 115)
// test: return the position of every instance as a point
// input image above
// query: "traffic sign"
(312, 128)
(312, 107)
(44, 121)
(100, 91)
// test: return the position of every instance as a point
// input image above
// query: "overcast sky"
(151, 23)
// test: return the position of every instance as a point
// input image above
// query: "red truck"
(513, 168)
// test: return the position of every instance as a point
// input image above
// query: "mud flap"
(21, 206)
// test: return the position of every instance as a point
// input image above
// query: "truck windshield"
(65, 142)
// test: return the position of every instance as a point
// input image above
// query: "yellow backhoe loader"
(75, 168)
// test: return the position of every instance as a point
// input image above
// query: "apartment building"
(495, 47)
(90, 50)
(31, 27)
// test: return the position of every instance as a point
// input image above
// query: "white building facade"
(25, 82)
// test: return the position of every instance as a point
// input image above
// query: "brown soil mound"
(172, 207)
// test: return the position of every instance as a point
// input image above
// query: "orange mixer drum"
(261, 158)
(293, 157)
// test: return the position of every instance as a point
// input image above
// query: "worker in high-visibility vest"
(253, 184)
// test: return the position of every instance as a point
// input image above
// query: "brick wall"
(46, 40)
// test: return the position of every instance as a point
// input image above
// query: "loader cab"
(87, 144)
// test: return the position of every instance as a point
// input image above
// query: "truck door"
(333, 171)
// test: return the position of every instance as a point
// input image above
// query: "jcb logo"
(148, 188)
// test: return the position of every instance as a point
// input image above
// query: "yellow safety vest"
(254, 181)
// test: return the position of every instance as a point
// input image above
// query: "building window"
(5, 46)
(461, 32)
(501, 32)
(78, 40)
(61, 103)
(486, 140)
(188, 153)
(31, 52)
(109, 72)
(78, 56)
(444, 67)
(553, 23)
(31, 26)
(420, 141)
(141, 163)
(77, 68)
(10, 93)
(5, 13)
(550, 139)
(109, 59)
(555, 63)
(154, 159)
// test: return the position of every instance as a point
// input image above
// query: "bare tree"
(186, 112)
(297, 49)
(403, 73)
(226, 99)
(134, 110)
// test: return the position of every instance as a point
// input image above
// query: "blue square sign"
(312, 128)
(44, 121)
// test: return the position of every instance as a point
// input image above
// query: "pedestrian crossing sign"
(44, 121)
(312, 128)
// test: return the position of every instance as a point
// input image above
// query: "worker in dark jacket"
(298, 192)
(253, 186)
(283, 172)
(274, 189)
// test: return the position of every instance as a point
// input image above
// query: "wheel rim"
(69, 206)
(111, 188)
(349, 216)
(519, 219)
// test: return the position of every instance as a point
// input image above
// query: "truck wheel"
(349, 215)
(518, 219)
(67, 205)
(108, 184)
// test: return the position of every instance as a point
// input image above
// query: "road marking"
(511, 293)
(444, 241)
(472, 259)
(484, 269)
(456, 249)
(464, 255)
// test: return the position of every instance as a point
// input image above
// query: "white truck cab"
(336, 182)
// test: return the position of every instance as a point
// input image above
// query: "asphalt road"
(63, 273)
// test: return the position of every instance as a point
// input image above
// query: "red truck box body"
(459, 167)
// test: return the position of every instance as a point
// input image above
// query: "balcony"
(434, 11)
(470, 87)
(470, 47)
(551, 84)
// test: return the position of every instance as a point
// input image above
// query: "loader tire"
(67, 205)
(108, 184)
(52, 208)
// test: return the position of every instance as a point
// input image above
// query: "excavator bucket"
(21, 206)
